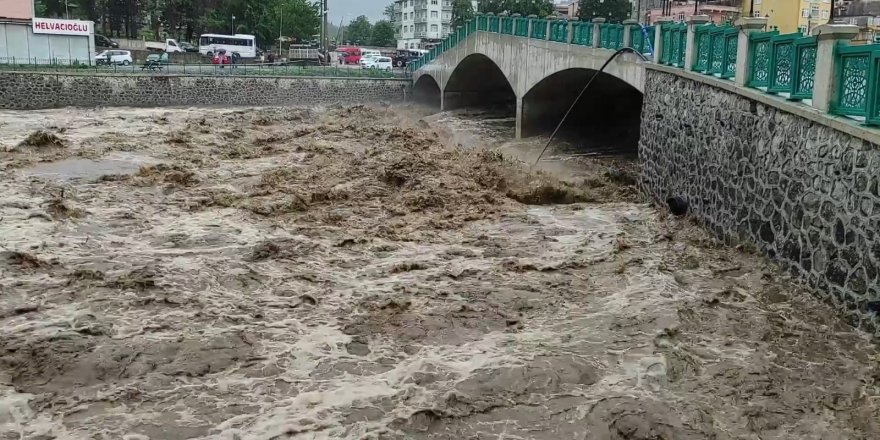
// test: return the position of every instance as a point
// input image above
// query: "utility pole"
(324, 25)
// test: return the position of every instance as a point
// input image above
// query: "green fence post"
(829, 86)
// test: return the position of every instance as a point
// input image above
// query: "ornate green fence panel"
(703, 46)
(482, 23)
(604, 35)
(804, 70)
(618, 36)
(731, 45)
(678, 35)
(781, 62)
(559, 31)
(637, 38)
(666, 37)
(507, 25)
(719, 48)
(582, 34)
(494, 23)
(521, 27)
(759, 54)
(856, 75)
(539, 29)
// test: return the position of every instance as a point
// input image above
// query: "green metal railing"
(759, 54)
(715, 50)
(521, 26)
(582, 34)
(507, 25)
(856, 77)
(804, 69)
(779, 76)
(638, 41)
(777, 64)
(539, 29)
(674, 36)
(494, 23)
(559, 31)
(611, 36)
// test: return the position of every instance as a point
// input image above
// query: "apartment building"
(421, 23)
(790, 15)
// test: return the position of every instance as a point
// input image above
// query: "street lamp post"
(233, 25)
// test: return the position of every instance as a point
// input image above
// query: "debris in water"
(41, 139)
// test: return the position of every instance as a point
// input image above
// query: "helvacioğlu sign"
(62, 27)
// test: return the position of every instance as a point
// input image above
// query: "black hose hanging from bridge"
(581, 94)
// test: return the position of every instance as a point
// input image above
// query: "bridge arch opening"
(605, 121)
(478, 83)
(426, 92)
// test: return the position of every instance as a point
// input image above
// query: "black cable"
(580, 95)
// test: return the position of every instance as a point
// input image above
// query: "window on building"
(814, 11)
(434, 28)
(758, 2)
(433, 2)
(681, 16)
(825, 14)
(805, 12)
(802, 29)
(434, 14)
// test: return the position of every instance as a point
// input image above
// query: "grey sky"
(348, 10)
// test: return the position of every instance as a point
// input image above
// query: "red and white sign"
(62, 27)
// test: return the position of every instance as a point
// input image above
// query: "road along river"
(351, 272)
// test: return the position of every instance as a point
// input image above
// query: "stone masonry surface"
(38, 91)
(807, 195)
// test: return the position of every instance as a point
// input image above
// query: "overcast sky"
(348, 10)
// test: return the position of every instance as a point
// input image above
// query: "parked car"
(368, 58)
(102, 41)
(111, 57)
(188, 47)
(383, 63)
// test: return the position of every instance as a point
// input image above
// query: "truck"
(306, 55)
(169, 46)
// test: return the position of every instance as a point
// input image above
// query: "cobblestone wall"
(807, 195)
(37, 91)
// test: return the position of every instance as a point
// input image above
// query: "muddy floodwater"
(365, 273)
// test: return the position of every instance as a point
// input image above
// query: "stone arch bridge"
(537, 80)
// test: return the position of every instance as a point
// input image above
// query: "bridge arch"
(605, 120)
(426, 91)
(478, 82)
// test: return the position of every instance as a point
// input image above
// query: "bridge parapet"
(824, 70)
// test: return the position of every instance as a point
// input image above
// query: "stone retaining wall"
(40, 90)
(807, 195)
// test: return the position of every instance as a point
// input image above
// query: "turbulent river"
(364, 273)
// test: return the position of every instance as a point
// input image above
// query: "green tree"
(389, 13)
(541, 8)
(614, 11)
(462, 11)
(359, 30)
(383, 34)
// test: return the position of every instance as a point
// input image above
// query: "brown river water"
(362, 273)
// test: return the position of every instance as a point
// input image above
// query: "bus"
(244, 45)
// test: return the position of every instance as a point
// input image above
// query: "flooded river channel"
(361, 273)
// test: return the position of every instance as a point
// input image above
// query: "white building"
(25, 39)
(422, 22)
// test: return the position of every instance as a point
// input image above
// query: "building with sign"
(25, 39)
